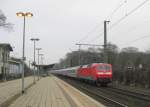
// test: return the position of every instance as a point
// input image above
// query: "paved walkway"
(11, 88)
(53, 92)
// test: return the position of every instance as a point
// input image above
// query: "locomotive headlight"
(108, 73)
(102, 73)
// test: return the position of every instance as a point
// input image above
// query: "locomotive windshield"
(107, 67)
(101, 68)
(104, 67)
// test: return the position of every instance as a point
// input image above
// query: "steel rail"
(137, 95)
(103, 97)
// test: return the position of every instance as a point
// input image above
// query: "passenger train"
(98, 73)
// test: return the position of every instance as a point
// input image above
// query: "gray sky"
(61, 23)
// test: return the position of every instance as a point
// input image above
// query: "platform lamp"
(34, 63)
(24, 15)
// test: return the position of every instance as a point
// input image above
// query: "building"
(15, 68)
(5, 50)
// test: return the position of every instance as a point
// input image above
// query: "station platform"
(53, 92)
(11, 89)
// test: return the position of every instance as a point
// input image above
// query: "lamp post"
(24, 15)
(34, 40)
(41, 55)
(38, 49)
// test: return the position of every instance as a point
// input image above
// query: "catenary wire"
(122, 18)
(128, 14)
(143, 37)
(120, 4)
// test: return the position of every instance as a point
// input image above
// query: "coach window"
(89, 65)
(81, 66)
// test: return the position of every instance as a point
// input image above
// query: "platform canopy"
(46, 67)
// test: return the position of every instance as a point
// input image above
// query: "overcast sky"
(60, 24)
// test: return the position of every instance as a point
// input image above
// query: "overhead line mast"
(105, 41)
(105, 44)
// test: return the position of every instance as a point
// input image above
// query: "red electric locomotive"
(99, 73)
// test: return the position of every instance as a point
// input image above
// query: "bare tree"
(130, 50)
(4, 23)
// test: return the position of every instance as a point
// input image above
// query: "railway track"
(106, 100)
(136, 95)
(130, 99)
(114, 96)
(116, 103)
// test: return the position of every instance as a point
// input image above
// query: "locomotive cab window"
(104, 67)
(107, 67)
(100, 67)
